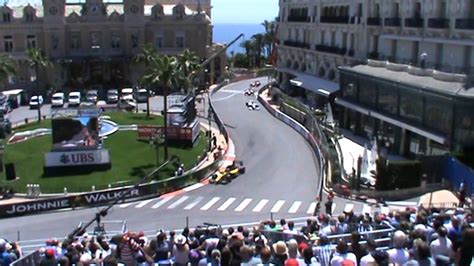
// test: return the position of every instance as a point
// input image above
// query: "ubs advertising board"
(76, 158)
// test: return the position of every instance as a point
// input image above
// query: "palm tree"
(6, 68)
(248, 46)
(163, 71)
(189, 65)
(147, 55)
(37, 59)
(258, 46)
(269, 36)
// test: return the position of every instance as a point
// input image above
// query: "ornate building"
(93, 43)
(318, 36)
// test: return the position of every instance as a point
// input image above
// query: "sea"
(225, 33)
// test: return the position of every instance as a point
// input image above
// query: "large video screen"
(75, 132)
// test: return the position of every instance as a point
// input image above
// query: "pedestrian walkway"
(238, 204)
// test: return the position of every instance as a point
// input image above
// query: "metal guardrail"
(32, 259)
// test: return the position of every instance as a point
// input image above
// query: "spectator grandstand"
(409, 237)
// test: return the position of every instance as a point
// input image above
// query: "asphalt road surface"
(281, 181)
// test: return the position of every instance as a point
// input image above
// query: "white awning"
(312, 83)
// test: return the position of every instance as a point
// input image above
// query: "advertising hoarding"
(78, 133)
(76, 158)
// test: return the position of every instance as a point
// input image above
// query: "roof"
(312, 83)
(425, 82)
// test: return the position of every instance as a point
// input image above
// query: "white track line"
(294, 208)
(260, 205)
(311, 208)
(179, 201)
(210, 203)
(161, 202)
(193, 187)
(125, 205)
(193, 203)
(277, 206)
(143, 203)
(243, 205)
(226, 204)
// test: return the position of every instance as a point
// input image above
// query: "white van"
(127, 94)
(74, 98)
(57, 100)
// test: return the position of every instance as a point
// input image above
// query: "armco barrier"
(300, 129)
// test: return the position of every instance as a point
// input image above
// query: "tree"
(257, 48)
(163, 71)
(189, 66)
(147, 55)
(248, 46)
(6, 68)
(37, 59)
(269, 36)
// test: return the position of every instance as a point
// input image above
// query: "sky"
(243, 11)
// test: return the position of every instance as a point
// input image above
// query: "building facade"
(95, 42)
(414, 110)
(317, 36)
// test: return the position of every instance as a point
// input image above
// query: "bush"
(398, 174)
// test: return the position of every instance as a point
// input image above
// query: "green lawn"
(131, 159)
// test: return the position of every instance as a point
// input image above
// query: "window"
(29, 16)
(438, 114)
(159, 41)
(180, 41)
(388, 98)
(367, 92)
(95, 40)
(75, 40)
(134, 40)
(7, 17)
(8, 43)
(349, 86)
(411, 105)
(115, 41)
(30, 41)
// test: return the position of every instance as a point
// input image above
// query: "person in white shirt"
(442, 248)
(343, 255)
(369, 259)
(399, 254)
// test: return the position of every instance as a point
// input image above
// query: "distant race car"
(252, 105)
(226, 175)
(249, 92)
(257, 83)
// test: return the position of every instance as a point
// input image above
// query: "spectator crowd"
(414, 237)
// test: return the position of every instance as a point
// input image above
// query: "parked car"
(92, 96)
(112, 96)
(4, 104)
(57, 100)
(127, 94)
(36, 102)
(142, 95)
(74, 99)
(127, 104)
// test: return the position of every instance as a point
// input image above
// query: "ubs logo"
(64, 159)
(77, 158)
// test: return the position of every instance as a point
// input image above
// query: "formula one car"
(249, 92)
(252, 105)
(226, 175)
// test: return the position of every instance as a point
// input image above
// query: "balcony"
(296, 44)
(393, 22)
(299, 19)
(331, 49)
(336, 20)
(438, 23)
(414, 22)
(374, 21)
(465, 24)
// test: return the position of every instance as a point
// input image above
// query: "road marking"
(277, 206)
(294, 208)
(125, 205)
(243, 205)
(179, 201)
(143, 203)
(193, 187)
(193, 203)
(311, 208)
(260, 205)
(333, 207)
(226, 204)
(161, 202)
(402, 203)
(210, 203)
(231, 91)
(349, 207)
(366, 209)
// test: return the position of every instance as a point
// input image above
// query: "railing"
(299, 19)
(438, 23)
(296, 44)
(32, 259)
(393, 22)
(374, 21)
(339, 20)
(330, 49)
(414, 22)
(465, 23)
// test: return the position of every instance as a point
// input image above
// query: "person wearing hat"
(280, 253)
(180, 251)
